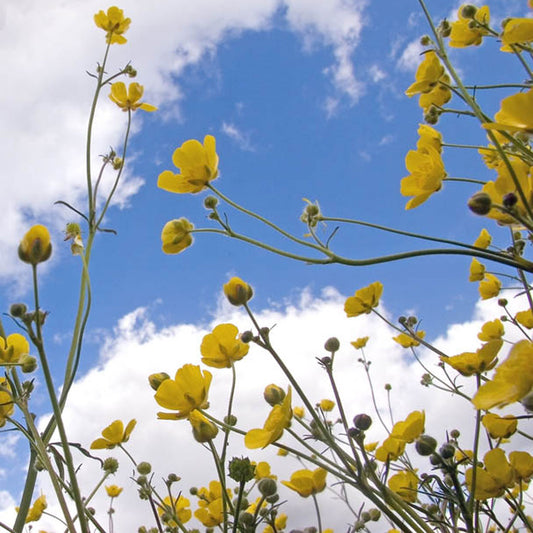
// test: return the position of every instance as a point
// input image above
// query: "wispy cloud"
(242, 139)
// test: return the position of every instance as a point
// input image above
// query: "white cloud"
(377, 74)
(47, 94)
(117, 388)
(242, 139)
(410, 57)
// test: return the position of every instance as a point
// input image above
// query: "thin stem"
(317, 510)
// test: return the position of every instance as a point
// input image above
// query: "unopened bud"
(480, 203)
(425, 445)
(332, 345)
(18, 310)
(144, 468)
(267, 487)
(156, 379)
(237, 291)
(273, 394)
(362, 421)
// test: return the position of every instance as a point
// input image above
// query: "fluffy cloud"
(47, 93)
(117, 388)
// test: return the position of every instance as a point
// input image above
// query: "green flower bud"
(246, 519)
(468, 11)
(247, 336)
(480, 203)
(172, 478)
(332, 345)
(365, 516)
(267, 487)
(425, 445)
(425, 40)
(156, 379)
(273, 395)
(455, 433)
(375, 514)
(18, 310)
(110, 465)
(230, 420)
(28, 364)
(272, 499)
(447, 451)
(144, 468)
(210, 202)
(362, 421)
(241, 469)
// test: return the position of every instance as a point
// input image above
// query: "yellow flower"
(522, 464)
(237, 291)
(426, 174)
(35, 246)
(390, 449)
(187, 391)
(114, 23)
(113, 435)
(364, 300)
(280, 523)
(13, 348)
(203, 429)
(525, 318)
(406, 341)
(484, 239)
(492, 330)
(517, 31)
(494, 478)
(306, 482)
(411, 428)
(198, 165)
(359, 343)
(37, 509)
(113, 491)
(129, 99)
(513, 379)
(327, 405)
(262, 470)
(469, 31)
(477, 270)
(278, 419)
(221, 348)
(7, 407)
(470, 363)
(405, 484)
(298, 412)
(176, 236)
(175, 508)
(516, 112)
(489, 287)
(210, 512)
(499, 427)
(429, 136)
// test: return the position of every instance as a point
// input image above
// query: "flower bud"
(510, 199)
(468, 11)
(230, 420)
(447, 451)
(35, 246)
(18, 310)
(247, 336)
(110, 465)
(267, 487)
(273, 395)
(425, 40)
(144, 468)
(156, 379)
(172, 478)
(362, 421)
(237, 291)
(272, 499)
(480, 203)
(210, 202)
(203, 429)
(332, 345)
(444, 28)
(241, 469)
(435, 459)
(425, 445)
(375, 514)
(455, 433)
(246, 519)
(28, 364)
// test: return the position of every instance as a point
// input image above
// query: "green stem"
(317, 510)
(466, 180)
(230, 408)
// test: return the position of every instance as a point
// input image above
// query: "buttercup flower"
(211, 509)
(280, 523)
(470, 363)
(186, 392)
(390, 450)
(359, 343)
(35, 246)
(489, 287)
(522, 464)
(468, 31)
(278, 419)
(13, 348)
(202, 428)
(492, 330)
(411, 428)
(327, 405)
(426, 174)
(175, 507)
(494, 478)
(484, 239)
(262, 471)
(113, 435)
(499, 427)
(406, 341)
(7, 407)
(306, 482)
(298, 412)
(477, 270)
(363, 300)
(176, 236)
(513, 379)
(525, 318)
(517, 31)
(516, 112)
(129, 99)
(237, 291)
(113, 491)
(405, 484)
(221, 348)
(37, 509)
(114, 24)
(198, 165)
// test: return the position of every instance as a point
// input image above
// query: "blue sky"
(306, 100)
